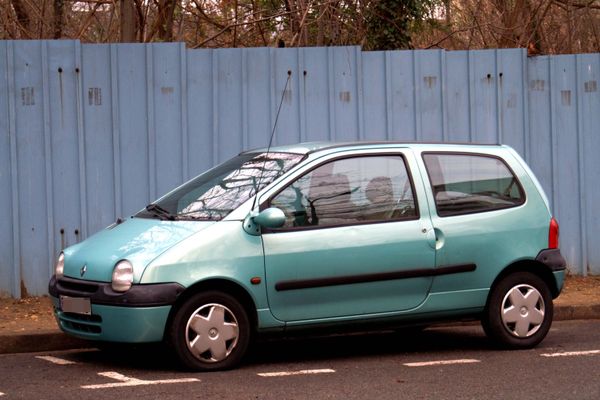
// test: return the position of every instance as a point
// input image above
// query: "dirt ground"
(34, 314)
(580, 290)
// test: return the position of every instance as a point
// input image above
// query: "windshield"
(219, 191)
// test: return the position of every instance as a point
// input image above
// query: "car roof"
(324, 146)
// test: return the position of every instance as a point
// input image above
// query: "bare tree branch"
(88, 21)
(449, 35)
(228, 27)
(592, 4)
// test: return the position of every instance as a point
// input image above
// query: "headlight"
(122, 276)
(59, 269)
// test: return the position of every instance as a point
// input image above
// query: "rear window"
(471, 183)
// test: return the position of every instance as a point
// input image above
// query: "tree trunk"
(321, 25)
(164, 20)
(291, 6)
(22, 19)
(57, 22)
(129, 23)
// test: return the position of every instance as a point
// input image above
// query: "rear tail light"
(553, 234)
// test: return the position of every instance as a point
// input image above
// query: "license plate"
(76, 305)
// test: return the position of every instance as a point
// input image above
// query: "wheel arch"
(532, 266)
(222, 285)
(506, 333)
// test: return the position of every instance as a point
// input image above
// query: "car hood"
(138, 240)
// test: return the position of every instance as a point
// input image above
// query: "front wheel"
(210, 331)
(519, 311)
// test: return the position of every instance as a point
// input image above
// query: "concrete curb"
(40, 341)
(53, 340)
(569, 312)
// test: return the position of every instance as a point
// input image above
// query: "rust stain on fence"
(590, 86)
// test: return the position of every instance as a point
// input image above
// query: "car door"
(479, 222)
(354, 242)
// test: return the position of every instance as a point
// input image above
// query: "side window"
(464, 183)
(349, 191)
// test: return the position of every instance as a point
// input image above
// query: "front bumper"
(136, 316)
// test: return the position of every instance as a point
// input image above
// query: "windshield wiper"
(160, 212)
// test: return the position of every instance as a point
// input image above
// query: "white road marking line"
(127, 381)
(301, 372)
(441, 362)
(1, 394)
(572, 353)
(56, 360)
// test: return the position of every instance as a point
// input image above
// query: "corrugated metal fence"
(92, 132)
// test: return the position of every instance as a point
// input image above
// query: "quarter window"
(464, 183)
(349, 191)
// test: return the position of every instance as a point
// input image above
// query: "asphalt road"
(439, 363)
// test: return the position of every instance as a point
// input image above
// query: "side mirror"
(270, 218)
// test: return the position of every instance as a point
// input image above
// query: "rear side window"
(471, 183)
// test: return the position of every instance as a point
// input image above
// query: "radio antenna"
(289, 75)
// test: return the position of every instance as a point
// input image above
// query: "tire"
(519, 311)
(210, 332)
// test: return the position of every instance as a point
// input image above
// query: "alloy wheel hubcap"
(212, 333)
(523, 311)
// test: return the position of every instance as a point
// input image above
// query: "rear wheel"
(210, 331)
(519, 311)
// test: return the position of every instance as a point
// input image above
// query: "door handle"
(431, 239)
(440, 238)
(436, 238)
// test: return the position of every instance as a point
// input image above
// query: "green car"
(321, 235)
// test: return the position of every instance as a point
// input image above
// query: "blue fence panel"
(228, 91)
(89, 133)
(96, 95)
(136, 171)
(588, 119)
(512, 99)
(483, 86)
(319, 122)
(168, 150)
(458, 106)
(30, 78)
(200, 112)
(430, 99)
(541, 150)
(257, 96)
(403, 108)
(563, 92)
(287, 130)
(377, 95)
(7, 132)
(344, 93)
(65, 166)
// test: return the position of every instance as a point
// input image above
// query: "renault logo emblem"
(83, 270)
